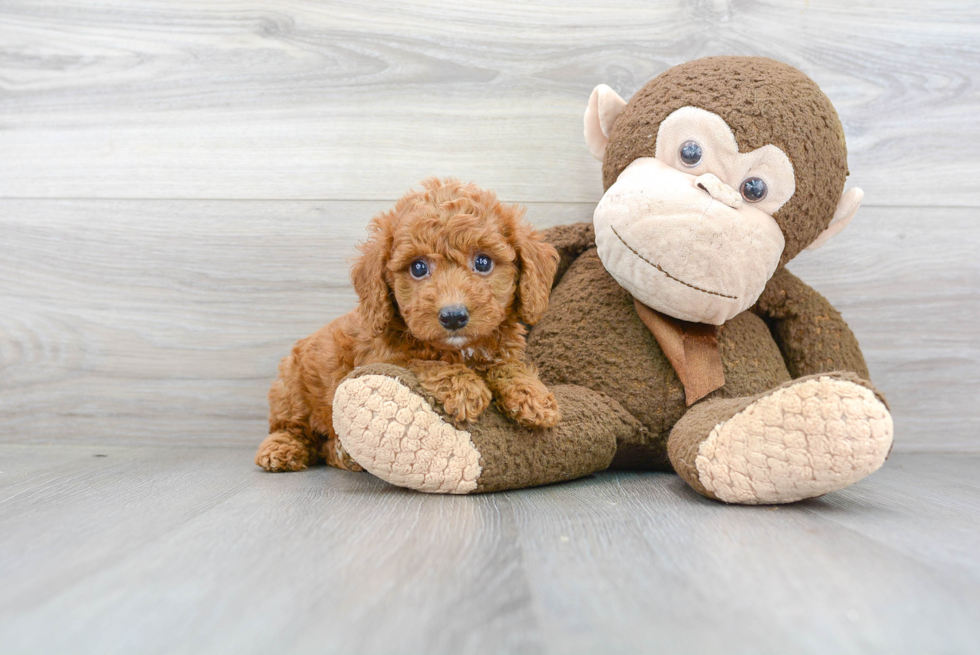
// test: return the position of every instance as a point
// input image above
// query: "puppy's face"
(454, 278)
(454, 263)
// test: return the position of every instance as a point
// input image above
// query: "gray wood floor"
(169, 550)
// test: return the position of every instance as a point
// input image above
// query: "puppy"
(447, 280)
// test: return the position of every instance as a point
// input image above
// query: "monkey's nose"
(719, 190)
(453, 317)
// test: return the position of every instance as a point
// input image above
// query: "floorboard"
(152, 550)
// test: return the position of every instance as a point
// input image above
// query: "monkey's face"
(689, 231)
(717, 171)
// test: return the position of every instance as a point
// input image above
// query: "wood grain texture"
(156, 550)
(131, 322)
(352, 100)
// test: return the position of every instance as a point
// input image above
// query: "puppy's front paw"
(468, 403)
(465, 400)
(462, 394)
(282, 452)
(530, 404)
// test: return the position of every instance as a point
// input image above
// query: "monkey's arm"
(570, 241)
(811, 334)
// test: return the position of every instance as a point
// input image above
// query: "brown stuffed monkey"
(675, 338)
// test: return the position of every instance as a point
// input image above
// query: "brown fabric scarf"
(691, 348)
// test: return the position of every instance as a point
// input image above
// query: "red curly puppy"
(447, 280)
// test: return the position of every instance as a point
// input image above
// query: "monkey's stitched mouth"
(659, 268)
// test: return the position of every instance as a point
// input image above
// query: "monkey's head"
(717, 173)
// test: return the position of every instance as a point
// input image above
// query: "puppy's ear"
(369, 275)
(538, 263)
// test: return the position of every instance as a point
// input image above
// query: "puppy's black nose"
(453, 317)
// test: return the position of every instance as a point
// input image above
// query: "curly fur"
(446, 223)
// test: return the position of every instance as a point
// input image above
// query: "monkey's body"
(592, 337)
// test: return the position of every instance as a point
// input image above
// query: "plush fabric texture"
(811, 334)
(796, 117)
(400, 434)
(720, 154)
(396, 435)
(678, 250)
(583, 443)
(569, 241)
(604, 106)
(846, 209)
(806, 438)
(592, 336)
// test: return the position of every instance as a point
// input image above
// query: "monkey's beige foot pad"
(801, 441)
(397, 436)
(388, 425)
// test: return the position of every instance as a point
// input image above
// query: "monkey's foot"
(388, 424)
(807, 438)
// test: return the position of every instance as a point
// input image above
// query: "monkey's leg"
(392, 428)
(808, 437)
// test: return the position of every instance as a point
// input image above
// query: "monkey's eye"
(418, 269)
(754, 189)
(690, 153)
(482, 263)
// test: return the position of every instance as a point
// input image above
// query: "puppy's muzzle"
(453, 317)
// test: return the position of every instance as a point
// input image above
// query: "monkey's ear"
(846, 208)
(603, 110)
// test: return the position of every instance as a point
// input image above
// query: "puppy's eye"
(690, 153)
(418, 269)
(482, 264)
(754, 189)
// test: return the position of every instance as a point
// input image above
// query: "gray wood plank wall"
(182, 183)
